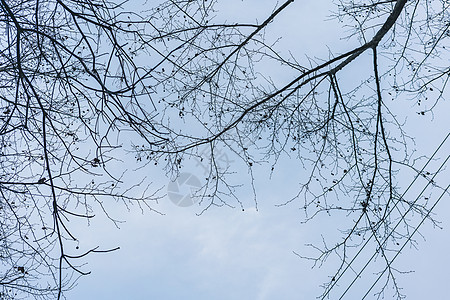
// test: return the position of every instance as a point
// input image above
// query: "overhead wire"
(390, 211)
(406, 242)
(393, 229)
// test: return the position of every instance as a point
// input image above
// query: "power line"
(368, 240)
(370, 237)
(406, 242)
(393, 229)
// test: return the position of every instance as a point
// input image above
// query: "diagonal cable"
(409, 238)
(393, 229)
(395, 205)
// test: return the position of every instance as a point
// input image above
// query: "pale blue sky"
(230, 254)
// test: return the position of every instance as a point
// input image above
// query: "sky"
(227, 253)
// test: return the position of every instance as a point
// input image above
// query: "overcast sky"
(233, 254)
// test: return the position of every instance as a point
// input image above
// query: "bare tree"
(69, 85)
(344, 135)
(77, 75)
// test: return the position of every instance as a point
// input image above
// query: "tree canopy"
(82, 82)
